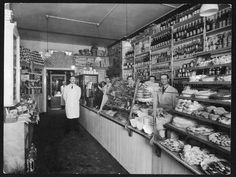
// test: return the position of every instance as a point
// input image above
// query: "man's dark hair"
(164, 74)
(153, 77)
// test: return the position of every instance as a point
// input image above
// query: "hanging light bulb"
(208, 9)
(127, 44)
(47, 53)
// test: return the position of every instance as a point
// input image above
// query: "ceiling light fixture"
(208, 9)
(127, 41)
(47, 53)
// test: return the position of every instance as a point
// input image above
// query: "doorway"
(54, 81)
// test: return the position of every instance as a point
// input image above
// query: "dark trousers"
(72, 125)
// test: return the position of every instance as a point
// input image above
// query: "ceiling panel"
(32, 16)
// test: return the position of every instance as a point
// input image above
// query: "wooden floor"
(72, 153)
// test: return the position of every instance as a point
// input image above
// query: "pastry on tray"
(215, 166)
(220, 138)
(200, 130)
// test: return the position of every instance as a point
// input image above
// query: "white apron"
(72, 104)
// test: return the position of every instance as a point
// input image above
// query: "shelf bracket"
(157, 150)
(130, 132)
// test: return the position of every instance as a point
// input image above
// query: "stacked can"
(31, 159)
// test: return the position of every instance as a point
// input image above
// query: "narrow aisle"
(72, 153)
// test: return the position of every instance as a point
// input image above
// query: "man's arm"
(64, 93)
(79, 94)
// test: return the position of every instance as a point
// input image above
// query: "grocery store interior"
(152, 91)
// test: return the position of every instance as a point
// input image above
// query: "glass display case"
(86, 83)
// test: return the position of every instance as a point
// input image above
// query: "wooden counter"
(16, 141)
(134, 153)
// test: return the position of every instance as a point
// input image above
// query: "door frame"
(45, 71)
(64, 75)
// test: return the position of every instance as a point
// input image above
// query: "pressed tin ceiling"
(31, 21)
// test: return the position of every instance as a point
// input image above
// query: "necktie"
(72, 86)
(164, 89)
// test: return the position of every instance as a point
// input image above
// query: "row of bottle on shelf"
(208, 65)
(219, 41)
(142, 59)
(223, 70)
(160, 40)
(188, 48)
(161, 57)
(188, 30)
(177, 18)
(220, 20)
(129, 54)
(128, 65)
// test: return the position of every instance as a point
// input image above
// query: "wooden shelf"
(129, 57)
(160, 63)
(214, 52)
(142, 54)
(218, 30)
(34, 87)
(180, 78)
(200, 138)
(143, 38)
(194, 168)
(207, 100)
(195, 17)
(228, 83)
(161, 32)
(127, 68)
(91, 56)
(187, 39)
(184, 58)
(209, 67)
(31, 80)
(208, 121)
(159, 48)
(140, 132)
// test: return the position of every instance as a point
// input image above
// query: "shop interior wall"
(58, 60)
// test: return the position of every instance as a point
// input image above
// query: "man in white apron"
(71, 95)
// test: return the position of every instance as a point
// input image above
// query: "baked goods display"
(220, 138)
(188, 106)
(204, 94)
(216, 166)
(144, 93)
(188, 92)
(193, 155)
(182, 122)
(214, 113)
(173, 144)
(200, 130)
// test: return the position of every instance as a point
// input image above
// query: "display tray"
(194, 168)
(227, 83)
(206, 100)
(141, 132)
(208, 121)
(200, 138)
